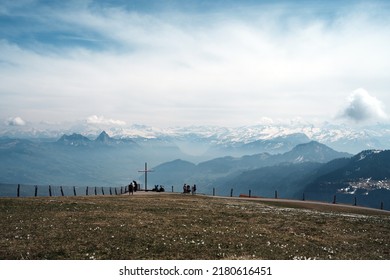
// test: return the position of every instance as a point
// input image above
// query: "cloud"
(361, 107)
(104, 121)
(225, 66)
(17, 121)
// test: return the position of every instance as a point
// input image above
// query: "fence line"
(8, 190)
(338, 198)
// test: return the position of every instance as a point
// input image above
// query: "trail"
(308, 204)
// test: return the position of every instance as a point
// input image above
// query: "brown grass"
(176, 226)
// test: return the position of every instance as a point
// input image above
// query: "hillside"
(176, 226)
(229, 170)
(365, 176)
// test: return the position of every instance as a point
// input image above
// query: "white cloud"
(16, 121)
(361, 107)
(168, 68)
(100, 120)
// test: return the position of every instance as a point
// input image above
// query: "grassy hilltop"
(176, 226)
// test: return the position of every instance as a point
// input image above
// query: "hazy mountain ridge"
(244, 139)
(212, 172)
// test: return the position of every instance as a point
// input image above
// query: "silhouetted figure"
(194, 189)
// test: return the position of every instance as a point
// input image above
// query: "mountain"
(104, 138)
(74, 140)
(218, 171)
(278, 144)
(312, 151)
(285, 178)
(365, 176)
(76, 160)
(213, 141)
(177, 171)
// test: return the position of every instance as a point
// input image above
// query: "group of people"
(158, 189)
(133, 187)
(189, 189)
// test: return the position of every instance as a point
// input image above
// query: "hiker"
(188, 188)
(131, 188)
(184, 188)
(194, 189)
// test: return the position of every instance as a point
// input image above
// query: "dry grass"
(175, 226)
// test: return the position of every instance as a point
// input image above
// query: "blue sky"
(168, 63)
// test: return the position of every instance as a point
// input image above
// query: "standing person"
(131, 188)
(184, 188)
(194, 189)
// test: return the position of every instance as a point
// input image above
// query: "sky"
(182, 63)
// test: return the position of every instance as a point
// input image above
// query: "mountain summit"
(74, 140)
(313, 151)
(104, 138)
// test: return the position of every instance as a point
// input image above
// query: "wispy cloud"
(175, 66)
(101, 120)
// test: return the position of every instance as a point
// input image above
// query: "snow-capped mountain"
(339, 137)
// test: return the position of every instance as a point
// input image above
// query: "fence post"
(116, 192)
(86, 191)
(334, 199)
(95, 191)
(74, 191)
(355, 201)
(121, 190)
(110, 191)
(276, 194)
(303, 197)
(231, 192)
(250, 193)
(172, 188)
(36, 191)
(382, 205)
(18, 191)
(213, 191)
(102, 190)
(62, 191)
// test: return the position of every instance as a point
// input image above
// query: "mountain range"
(302, 173)
(217, 141)
(290, 164)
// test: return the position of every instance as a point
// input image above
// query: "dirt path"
(307, 204)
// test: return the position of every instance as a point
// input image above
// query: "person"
(194, 189)
(131, 188)
(184, 188)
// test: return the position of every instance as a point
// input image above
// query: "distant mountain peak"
(103, 137)
(314, 151)
(74, 139)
